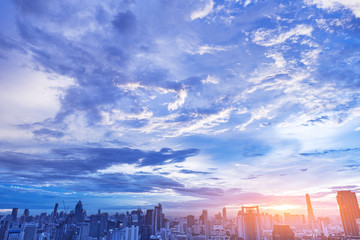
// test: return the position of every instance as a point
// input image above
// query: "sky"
(196, 104)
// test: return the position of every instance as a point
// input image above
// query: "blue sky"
(195, 104)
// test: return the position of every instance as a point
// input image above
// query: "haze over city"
(195, 104)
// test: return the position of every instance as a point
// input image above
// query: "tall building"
(158, 217)
(84, 231)
(14, 214)
(190, 221)
(311, 217)
(29, 232)
(282, 232)
(79, 212)
(249, 223)
(150, 220)
(349, 212)
(203, 217)
(224, 214)
(55, 212)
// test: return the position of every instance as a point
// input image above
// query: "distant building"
(282, 232)
(14, 214)
(158, 218)
(224, 214)
(349, 212)
(311, 217)
(150, 220)
(29, 232)
(79, 215)
(203, 217)
(84, 231)
(190, 221)
(249, 223)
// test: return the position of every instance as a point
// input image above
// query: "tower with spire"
(79, 216)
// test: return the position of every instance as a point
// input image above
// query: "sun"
(283, 207)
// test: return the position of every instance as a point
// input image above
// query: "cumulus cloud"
(334, 5)
(203, 11)
(272, 37)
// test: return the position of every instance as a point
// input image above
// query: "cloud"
(203, 11)
(187, 171)
(44, 132)
(331, 151)
(90, 160)
(180, 100)
(272, 37)
(125, 22)
(335, 5)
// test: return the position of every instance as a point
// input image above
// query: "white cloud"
(180, 100)
(192, 47)
(202, 12)
(280, 61)
(210, 79)
(334, 5)
(272, 37)
(210, 49)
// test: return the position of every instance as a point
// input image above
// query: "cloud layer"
(188, 101)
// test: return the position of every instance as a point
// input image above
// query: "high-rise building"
(29, 232)
(349, 212)
(84, 230)
(150, 219)
(203, 217)
(158, 216)
(190, 221)
(224, 214)
(14, 214)
(311, 217)
(249, 223)
(282, 232)
(55, 212)
(79, 212)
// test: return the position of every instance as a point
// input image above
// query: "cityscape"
(179, 119)
(249, 224)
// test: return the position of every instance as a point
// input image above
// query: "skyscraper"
(14, 214)
(158, 218)
(311, 217)
(203, 217)
(79, 212)
(190, 220)
(55, 212)
(249, 223)
(224, 214)
(349, 211)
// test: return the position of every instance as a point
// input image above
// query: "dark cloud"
(45, 132)
(321, 119)
(303, 169)
(202, 191)
(70, 168)
(124, 183)
(330, 151)
(187, 171)
(125, 22)
(250, 177)
(74, 161)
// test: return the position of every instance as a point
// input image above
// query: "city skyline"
(194, 104)
(250, 223)
(231, 211)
